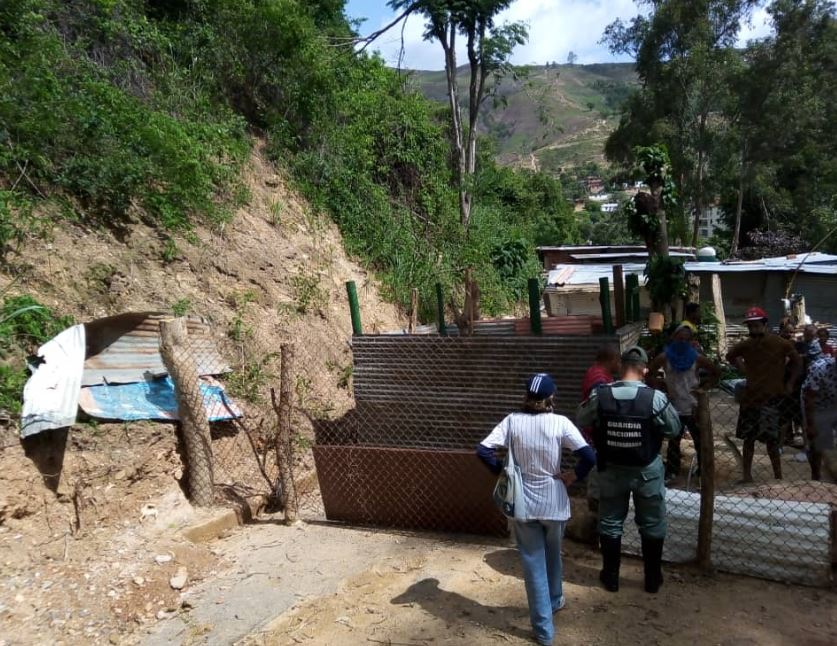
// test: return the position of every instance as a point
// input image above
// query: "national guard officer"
(630, 420)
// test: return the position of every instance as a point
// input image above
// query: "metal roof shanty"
(125, 348)
(811, 263)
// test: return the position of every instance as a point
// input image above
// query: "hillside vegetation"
(550, 117)
(119, 111)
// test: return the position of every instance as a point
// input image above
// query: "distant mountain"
(552, 117)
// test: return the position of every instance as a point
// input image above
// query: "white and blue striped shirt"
(537, 442)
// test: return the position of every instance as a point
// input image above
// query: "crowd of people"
(631, 406)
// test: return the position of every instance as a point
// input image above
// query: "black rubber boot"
(652, 557)
(611, 558)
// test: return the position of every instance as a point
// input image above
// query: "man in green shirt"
(630, 421)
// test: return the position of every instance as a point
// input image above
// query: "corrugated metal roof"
(590, 274)
(126, 348)
(630, 254)
(782, 540)
(814, 263)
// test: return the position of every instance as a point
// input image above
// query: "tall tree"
(683, 50)
(488, 47)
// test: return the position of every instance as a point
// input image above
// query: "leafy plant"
(181, 307)
(308, 295)
(239, 330)
(250, 380)
(24, 324)
(666, 279)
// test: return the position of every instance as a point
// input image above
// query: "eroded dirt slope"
(89, 518)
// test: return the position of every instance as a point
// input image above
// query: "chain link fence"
(382, 431)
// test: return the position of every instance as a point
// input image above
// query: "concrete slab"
(272, 567)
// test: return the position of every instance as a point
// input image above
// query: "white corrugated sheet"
(773, 539)
(50, 397)
(570, 274)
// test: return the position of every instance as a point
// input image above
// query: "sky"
(556, 27)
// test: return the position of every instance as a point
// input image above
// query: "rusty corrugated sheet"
(125, 348)
(409, 489)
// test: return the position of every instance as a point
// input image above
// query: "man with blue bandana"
(630, 421)
(681, 363)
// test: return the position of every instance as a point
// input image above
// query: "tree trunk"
(707, 482)
(448, 40)
(181, 366)
(733, 249)
(699, 206)
(284, 442)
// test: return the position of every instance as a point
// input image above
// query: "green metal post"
(354, 307)
(604, 299)
(535, 306)
(440, 309)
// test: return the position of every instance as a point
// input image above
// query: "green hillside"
(554, 116)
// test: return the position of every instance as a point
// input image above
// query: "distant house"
(593, 184)
(573, 283)
(764, 282)
(712, 222)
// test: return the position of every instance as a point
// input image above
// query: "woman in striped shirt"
(536, 437)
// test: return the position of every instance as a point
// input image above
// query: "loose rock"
(178, 581)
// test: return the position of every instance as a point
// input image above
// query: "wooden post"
(619, 295)
(411, 325)
(194, 422)
(718, 304)
(604, 300)
(284, 438)
(632, 297)
(707, 481)
(440, 310)
(535, 306)
(470, 301)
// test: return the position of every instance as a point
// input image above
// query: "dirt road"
(320, 584)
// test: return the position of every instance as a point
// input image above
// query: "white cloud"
(757, 27)
(556, 27)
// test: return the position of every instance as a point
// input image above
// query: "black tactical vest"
(625, 432)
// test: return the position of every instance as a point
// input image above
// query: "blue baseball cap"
(540, 385)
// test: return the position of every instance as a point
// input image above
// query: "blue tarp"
(152, 399)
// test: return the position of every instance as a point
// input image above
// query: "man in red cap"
(763, 359)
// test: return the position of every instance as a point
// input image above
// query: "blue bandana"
(681, 355)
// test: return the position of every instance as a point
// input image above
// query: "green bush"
(86, 108)
(142, 108)
(24, 325)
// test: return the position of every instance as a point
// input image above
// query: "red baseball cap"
(755, 314)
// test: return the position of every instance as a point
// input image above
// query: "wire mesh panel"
(404, 455)
(771, 518)
(228, 444)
